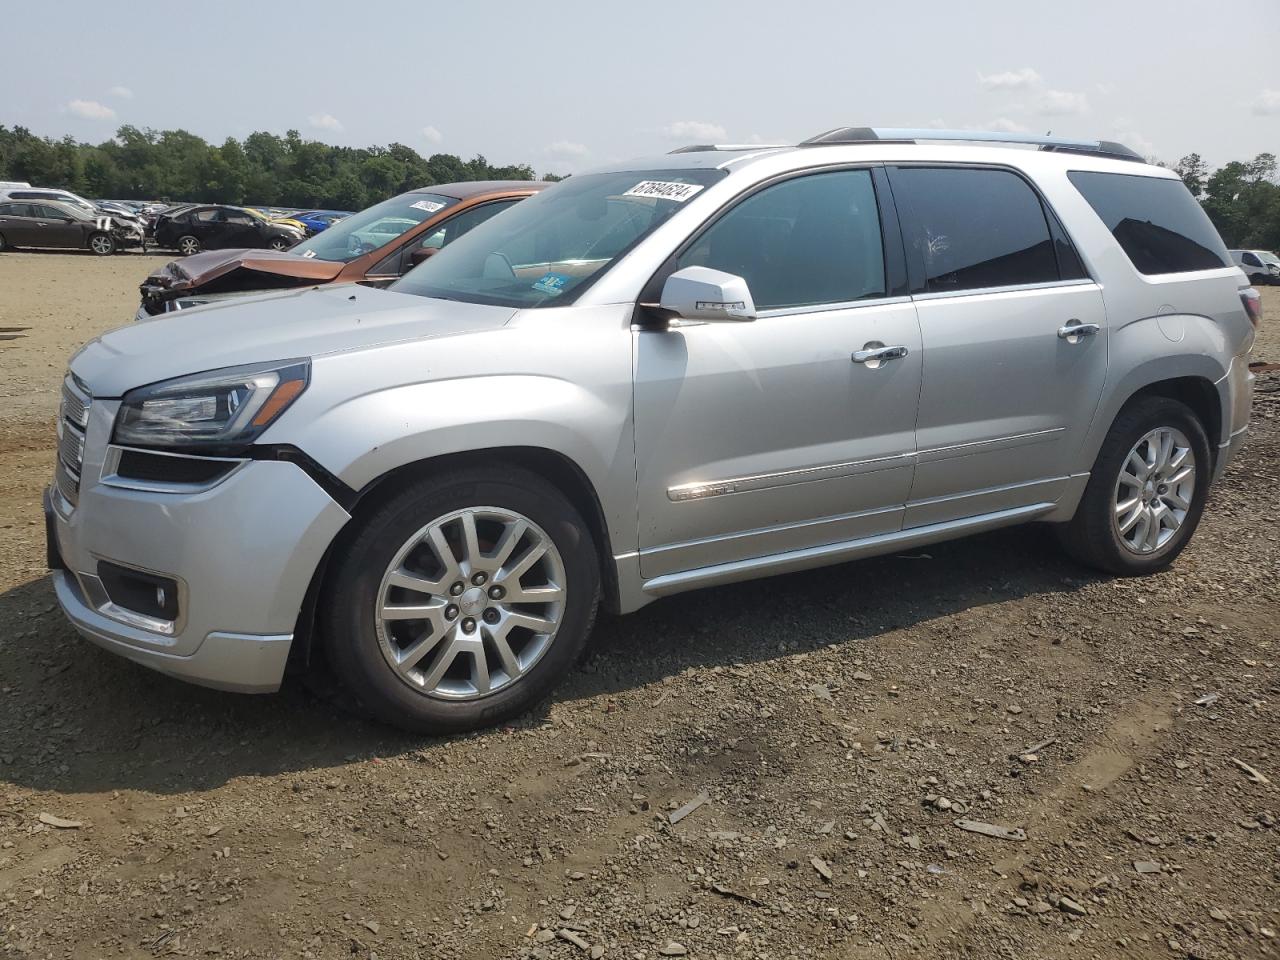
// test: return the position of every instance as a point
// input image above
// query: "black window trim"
(915, 266)
(895, 266)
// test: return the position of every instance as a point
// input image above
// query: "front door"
(60, 229)
(764, 437)
(1008, 393)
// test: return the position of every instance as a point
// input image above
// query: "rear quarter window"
(1155, 220)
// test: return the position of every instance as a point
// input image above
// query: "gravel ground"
(838, 724)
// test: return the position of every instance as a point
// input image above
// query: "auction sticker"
(431, 206)
(552, 284)
(664, 190)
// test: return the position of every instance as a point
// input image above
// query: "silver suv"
(719, 364)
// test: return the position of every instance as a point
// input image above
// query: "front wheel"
(461, 601)
(188, 246)
(102, 244)
(277, 243)
(1146, 492)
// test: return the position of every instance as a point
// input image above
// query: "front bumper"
(242, 553)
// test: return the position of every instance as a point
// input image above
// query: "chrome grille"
(73, 419)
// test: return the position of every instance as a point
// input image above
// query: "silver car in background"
(709, 366)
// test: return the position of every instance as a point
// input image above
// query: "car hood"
(278, 326)
(194, 272)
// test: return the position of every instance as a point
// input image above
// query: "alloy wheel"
(1155, 490)
(470, 603)
(101, 244)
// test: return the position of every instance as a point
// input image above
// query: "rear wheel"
(188, 245)
(102, 244)
(4, 244)
(461, 601)
(1146, 492)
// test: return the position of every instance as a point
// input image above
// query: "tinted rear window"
(1155, 220)
(975, 228)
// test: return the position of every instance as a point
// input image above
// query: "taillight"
(1252, 301)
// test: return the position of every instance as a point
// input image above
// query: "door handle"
(1074, 330)
(873, 353)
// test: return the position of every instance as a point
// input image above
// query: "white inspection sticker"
(664, 190)
(431, 206)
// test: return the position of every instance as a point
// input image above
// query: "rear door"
(17, 224)
(1007, 392)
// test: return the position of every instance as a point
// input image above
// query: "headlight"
(213, 410)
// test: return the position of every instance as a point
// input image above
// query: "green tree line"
(1242, 197)
(262, 169)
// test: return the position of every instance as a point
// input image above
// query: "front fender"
(561, 385)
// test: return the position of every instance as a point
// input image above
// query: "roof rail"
(705, 147)
(848, 135)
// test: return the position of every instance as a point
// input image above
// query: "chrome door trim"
(825, 307)
(1034, 436)
(831, 553)
(1014, 288)
(701, 489)
(780, 528)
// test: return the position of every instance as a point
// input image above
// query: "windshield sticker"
(664, 190)
(431, 206)
(552, 284)
(309, 253)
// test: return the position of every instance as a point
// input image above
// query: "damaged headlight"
(212, 411)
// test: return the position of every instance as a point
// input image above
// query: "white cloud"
(123, 93)
(694, 130)
(1061, 103)
(325, 121)
(1010, 80)
(432, 135)
(567, 149)
(1267, 104)
(91, 110)
(1005, 125)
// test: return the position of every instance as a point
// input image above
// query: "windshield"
(1266, 256)
(551, 247)
(369, 229)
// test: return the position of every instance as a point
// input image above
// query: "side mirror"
(421, 254)
(700, 293)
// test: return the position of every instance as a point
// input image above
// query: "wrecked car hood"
(276, 326)
(202, 269)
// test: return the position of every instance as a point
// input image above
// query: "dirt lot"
(831, 718)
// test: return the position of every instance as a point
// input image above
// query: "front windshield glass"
(1266, 256)
(370, 229)
(549, 248)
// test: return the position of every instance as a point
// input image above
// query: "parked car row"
(188, 228)
(705, 367)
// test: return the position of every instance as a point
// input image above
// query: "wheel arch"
(551, 465)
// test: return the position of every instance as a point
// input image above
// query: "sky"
(568, 85)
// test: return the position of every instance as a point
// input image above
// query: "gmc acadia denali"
(719, 364)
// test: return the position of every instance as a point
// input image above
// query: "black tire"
(102, 244)
(1091, 536)
(278, 243)
(4, 244)
(347, 621)
(188, 245)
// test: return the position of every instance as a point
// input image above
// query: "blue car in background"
(318, 220)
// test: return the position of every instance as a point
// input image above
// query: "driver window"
(464, 223)
(807, 241)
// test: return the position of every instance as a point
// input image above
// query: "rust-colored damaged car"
(374, 246)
